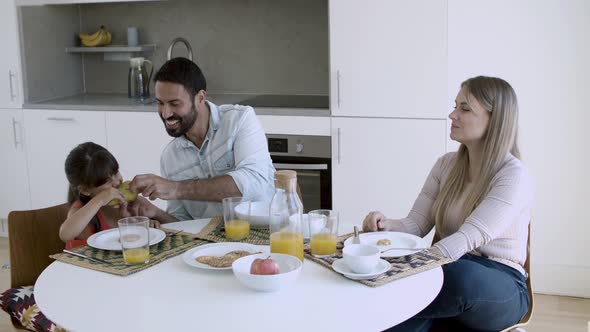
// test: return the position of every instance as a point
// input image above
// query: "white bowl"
(289, 268)
(361, 258)
(259, 213)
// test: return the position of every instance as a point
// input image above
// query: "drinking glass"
(135, 239)
(323, 231)
(237, 226)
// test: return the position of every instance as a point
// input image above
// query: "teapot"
(138, 81)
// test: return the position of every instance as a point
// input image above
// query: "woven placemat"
(171, 246)
(215, 231)
(401, 267)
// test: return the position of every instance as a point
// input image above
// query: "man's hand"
(143, 207)
(153, 186)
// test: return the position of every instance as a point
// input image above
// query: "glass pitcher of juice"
(286, 216)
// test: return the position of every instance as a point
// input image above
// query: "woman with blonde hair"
(479, 201)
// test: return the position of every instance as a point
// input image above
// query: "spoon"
(356, 239)
(413, 249)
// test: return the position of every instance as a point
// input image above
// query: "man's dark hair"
(182, 71)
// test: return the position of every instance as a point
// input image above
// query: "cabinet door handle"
(338, 148)
(57, 118)
(12, 95)
(312, 167)
(338, 88)
(16, 141)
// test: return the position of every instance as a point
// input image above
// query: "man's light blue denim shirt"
(235, 145)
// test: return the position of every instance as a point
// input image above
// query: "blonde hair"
(497, 97)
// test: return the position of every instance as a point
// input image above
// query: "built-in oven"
(310, 157)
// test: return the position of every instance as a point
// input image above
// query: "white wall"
(543, 49)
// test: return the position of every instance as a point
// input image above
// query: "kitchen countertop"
(289, 105)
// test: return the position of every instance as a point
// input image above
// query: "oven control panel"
(278, 145)
(299, 146)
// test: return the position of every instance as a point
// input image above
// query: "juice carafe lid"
(286, 179)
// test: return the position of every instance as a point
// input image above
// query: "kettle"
(138, 81)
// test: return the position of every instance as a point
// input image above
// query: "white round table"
(172, 296)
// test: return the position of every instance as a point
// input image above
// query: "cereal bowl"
(289, 270)
(258, 216)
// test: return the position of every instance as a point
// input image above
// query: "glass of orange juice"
(323, 231)
(134, 236)
(237, 227)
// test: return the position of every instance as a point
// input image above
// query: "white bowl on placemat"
(289, 270)
(258, 216)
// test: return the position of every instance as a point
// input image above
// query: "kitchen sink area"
(299, 105)
(279, 69)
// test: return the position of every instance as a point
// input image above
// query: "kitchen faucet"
(185, 42)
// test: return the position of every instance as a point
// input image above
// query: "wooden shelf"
(112, 49)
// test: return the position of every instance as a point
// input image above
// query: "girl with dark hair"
(93, 174)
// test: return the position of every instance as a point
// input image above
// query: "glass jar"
(286, 216)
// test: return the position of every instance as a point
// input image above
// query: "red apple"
(264, 266)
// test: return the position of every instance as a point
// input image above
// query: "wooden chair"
(33, 236)
(527, 266)
(528, 316)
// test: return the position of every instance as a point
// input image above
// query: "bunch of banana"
(100, 38)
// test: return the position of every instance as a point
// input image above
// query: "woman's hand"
(371, 222)
(376, 221)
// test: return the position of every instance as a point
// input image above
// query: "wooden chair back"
(33, 235)
(527, 266)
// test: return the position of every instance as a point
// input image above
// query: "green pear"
(129, 195)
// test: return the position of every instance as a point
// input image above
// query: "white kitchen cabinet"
(381, 164)
(295, 125)
(50, 136)
(388, 58)
(137, 139)
(10, 78)
(14, 191)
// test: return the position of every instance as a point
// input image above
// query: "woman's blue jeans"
(478, 294)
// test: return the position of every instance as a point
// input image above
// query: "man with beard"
(218, 151)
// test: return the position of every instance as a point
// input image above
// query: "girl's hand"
(143, 207)
(107, 195)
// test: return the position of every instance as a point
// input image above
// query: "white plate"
(398, 240)
(215, 249)
(109, 239)
(341, 267)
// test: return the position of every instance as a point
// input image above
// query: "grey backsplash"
(48, 70)
(242, 46)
